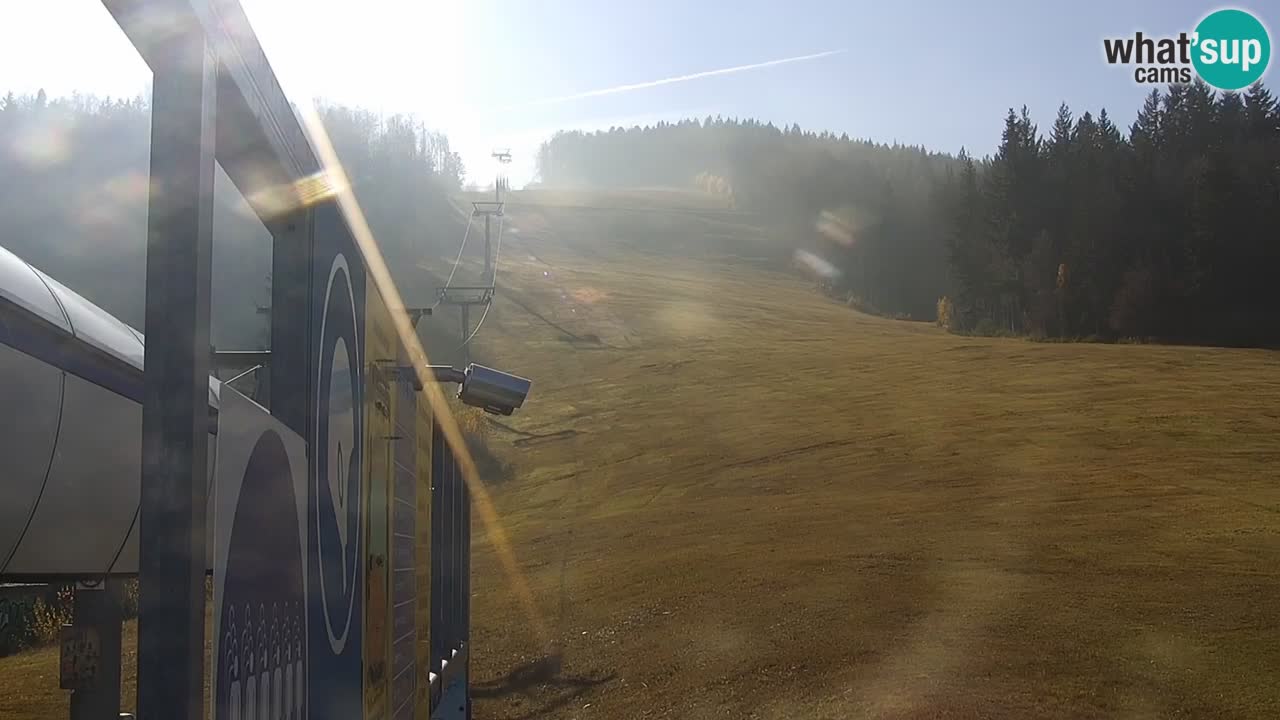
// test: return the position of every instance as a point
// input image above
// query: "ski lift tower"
(465, 297)
(503, 156)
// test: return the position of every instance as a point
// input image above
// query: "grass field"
(733, 498)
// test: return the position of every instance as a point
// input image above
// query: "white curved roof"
(27, 287)
(96, 326)
(24, 286)
(71, 482)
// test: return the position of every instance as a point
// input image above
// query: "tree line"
(869, 208)
(73, 200)
(1169, 231)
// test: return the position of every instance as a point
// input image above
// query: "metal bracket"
(416, 314)
(487, 207)
(466, 295)
(231, 359)
(446, 374)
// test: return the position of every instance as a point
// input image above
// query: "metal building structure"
(75, 373)
(216, 100)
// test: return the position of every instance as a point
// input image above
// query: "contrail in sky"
(678, 79)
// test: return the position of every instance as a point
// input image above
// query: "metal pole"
(290, 320)
(99, 609)
(464, 581)
(487, 266)
(466, 326)
(436, 638)
(175, 403)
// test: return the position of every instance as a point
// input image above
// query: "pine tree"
(1261, 109)
(1166, 232)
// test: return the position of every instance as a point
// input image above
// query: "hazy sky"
(509, 72)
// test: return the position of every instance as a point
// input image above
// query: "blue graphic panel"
(261, 646)
(334, 512)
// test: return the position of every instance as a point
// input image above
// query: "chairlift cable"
(493, 284)
(456, 261)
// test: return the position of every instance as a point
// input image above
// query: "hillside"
(735, 498)
(732, 497)
(1072, 229)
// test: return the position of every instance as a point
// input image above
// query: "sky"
(509, 73)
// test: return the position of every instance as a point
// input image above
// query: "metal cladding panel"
(259, 578)
(91, 495)
(23, 286)
(335, 509)
(34, 389)
(96, 326)
(72, 476)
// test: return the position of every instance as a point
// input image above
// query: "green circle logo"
(1232, 49)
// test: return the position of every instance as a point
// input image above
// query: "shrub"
(15, 624)
(32, 620)
(48, 615)
(129, 599)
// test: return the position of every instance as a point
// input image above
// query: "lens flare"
(816, 265)
(835, 228)
(275, 200)
(335, 180)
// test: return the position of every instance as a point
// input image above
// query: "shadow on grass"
(541, 674)
(493, 471)
(565, 332)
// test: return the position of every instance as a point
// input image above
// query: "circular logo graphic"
(1232, 49)
(336, 456)
(261, 656)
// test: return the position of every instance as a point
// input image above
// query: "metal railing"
(450, 570)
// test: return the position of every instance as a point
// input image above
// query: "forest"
(73, 199)
(1167, 232)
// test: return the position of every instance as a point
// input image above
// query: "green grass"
(773, 506)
